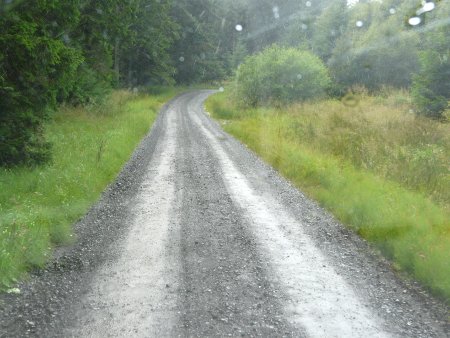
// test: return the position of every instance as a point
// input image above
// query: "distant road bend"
(208, 241)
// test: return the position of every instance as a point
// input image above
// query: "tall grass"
(378, 168)
(90, 146)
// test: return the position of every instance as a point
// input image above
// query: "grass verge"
(345, 158)
(90, 146)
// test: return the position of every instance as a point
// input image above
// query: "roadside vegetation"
(355, 111)
(375, 166)
(91, 144)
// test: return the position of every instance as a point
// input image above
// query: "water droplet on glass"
(428, 6)
(359, 23)
(304, 27)
(276, 12)
(221, 89)
(203, 56)
(392, 11)
(350, 100)
(66, 38)
(181, 59)
(99, 11)
(414, 21)
(299, 76)
(308, 4)
(239, 28)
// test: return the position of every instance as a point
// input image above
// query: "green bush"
(281, 75)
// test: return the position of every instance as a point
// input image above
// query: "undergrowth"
(90, 146)
(378, 168)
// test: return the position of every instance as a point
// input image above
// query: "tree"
(377, 49)
(431, 85)
(330, 25)
(37, 67)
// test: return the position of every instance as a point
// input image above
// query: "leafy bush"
(281, 75)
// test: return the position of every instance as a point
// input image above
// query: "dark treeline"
(371, 44)
(74, 52)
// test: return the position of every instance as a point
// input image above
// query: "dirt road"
(199, 238)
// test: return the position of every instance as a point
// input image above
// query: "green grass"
(325, 148)
(90, 145)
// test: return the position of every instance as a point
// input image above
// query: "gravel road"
(198, 238)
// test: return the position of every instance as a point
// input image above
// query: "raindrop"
(221, 89)
(239, 28)
(428, 6)
(203, 56)
(99, 11)
(181, 59)
(276, 12)
(308, 4)
(359, 23)
(414, 21)
(392, 11)
(350, 100)
(66, 38)
(304, 27)
(333, 32)
(299, 76)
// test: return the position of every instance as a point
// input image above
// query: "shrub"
(281, 75)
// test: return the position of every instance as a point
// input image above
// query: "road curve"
(199, 238)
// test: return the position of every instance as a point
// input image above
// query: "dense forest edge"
(337, 95)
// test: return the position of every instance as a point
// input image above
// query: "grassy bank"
(369, 161)
(90, 146)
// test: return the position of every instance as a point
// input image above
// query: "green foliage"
(54, 51)
(328, 27)
(281, 75)
(382, 52)
(36, 68)
(431, 87)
